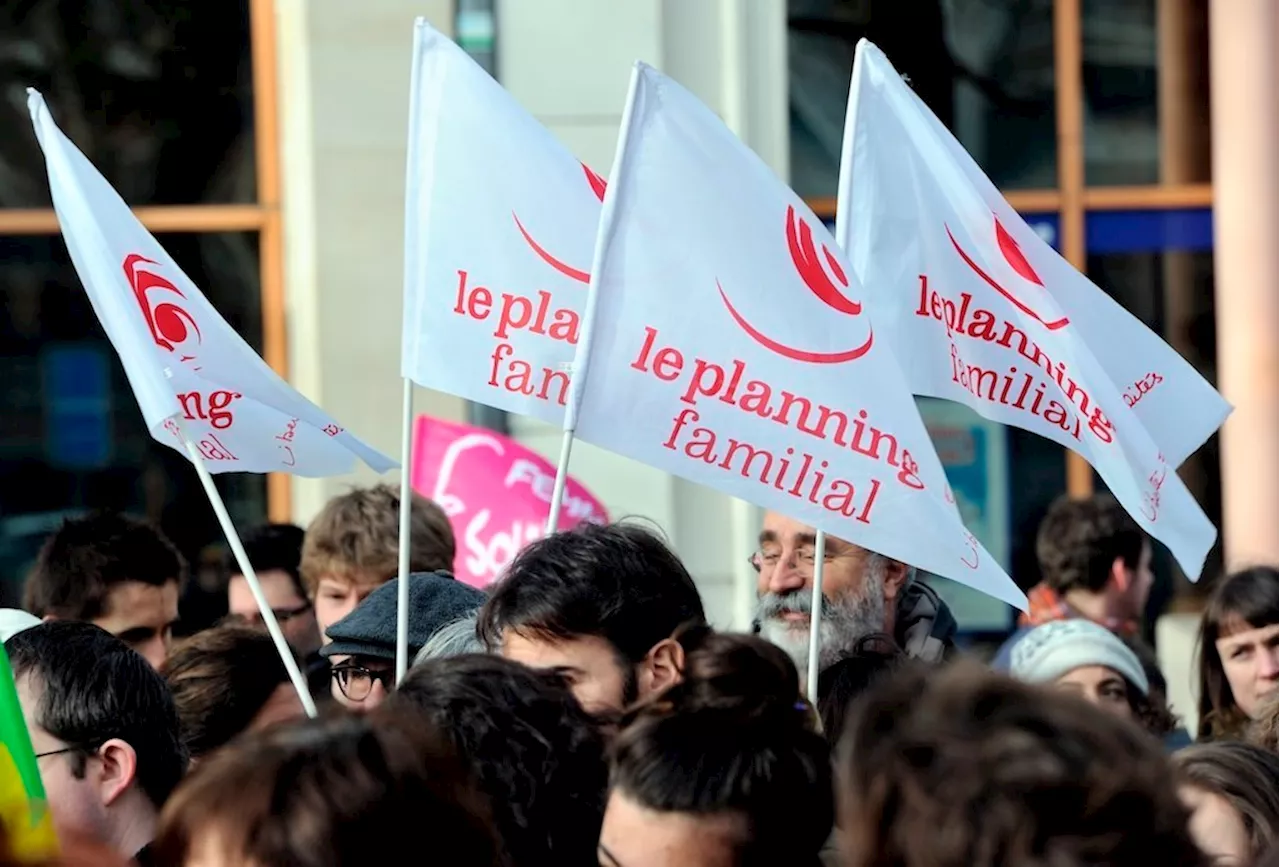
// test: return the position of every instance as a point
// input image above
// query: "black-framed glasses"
(356, 682)
(87, 750)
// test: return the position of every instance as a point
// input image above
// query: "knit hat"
(435, 599)
(13, 621)
(1049, 651)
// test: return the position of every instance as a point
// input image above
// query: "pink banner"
(495, 491)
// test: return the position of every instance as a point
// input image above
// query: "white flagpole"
(562, 475)
(815, 617)
(406, 510)
(246, 569)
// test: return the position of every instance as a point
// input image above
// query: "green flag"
(28, 826)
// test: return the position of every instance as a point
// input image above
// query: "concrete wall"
(344, 95)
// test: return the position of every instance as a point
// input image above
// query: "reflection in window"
(157, 93)
(71, 436)
(985, 67)
(1127, 62)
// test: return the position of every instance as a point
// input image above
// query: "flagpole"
(246, 569)
(562, 476)
(406, 511)
(815, 616)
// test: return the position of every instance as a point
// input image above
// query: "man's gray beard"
(844, 622)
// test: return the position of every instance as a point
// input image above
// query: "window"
(174, 102)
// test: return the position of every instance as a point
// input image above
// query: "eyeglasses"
(282, 615)
(86, 750)
(356, 681)
(804, 559)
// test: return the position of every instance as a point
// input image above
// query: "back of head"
(733, 739)
(220, 680)
(873, 658)
(457, 638)
(1242, 774)
(274, 547)
(334, 792)
(534, 753)
(1243, 600)
(964, 766)
(355, 537)
(82, 560)
(93, 688)
(1079, 541)
(619, 582)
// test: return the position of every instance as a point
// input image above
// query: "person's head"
(1230, 788)
(362, 646)
(962, 765)
(534, 753)
(104, 729)
(1087, 660)
(453, 639)
(335, 792)
(724, 769)
(873, 658)
(275, 552)
(1238, 663)
(1092, 546)
(859, 587)
(352, 547)
(113, 571)
(598, 604)
(226, 681)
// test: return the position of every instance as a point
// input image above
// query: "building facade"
(263, 141)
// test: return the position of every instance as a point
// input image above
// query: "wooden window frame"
(263, 217)
(1072, 199)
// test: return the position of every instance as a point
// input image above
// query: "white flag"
(981, 311)
(499, 224)
(726, 343)
(183, 361)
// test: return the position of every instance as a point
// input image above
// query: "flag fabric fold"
(979, 310)
(726, 342)
(191, 373)
(499, 224)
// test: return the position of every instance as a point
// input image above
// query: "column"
(1242, 61)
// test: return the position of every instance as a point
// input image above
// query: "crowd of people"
(582, 711)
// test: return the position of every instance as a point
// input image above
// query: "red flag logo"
(172, 327)
(1013, 255)
(598, 186)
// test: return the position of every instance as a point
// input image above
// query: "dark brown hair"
(356, 538)
(1152, 711)
(733, 737)
(959, 766)
(220, 679)
(532, 750)
(1079, 540)
(1245, 777)
(1247, 599)
(86, 557)
(337, 792)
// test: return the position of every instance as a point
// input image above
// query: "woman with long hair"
(1238, 663)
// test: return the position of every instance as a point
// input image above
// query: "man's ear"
(1120, 575)
(662, 667)
(119, 769)
(895, 578)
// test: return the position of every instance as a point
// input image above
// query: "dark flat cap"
(435, 599)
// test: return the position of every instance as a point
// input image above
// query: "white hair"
(453, 639)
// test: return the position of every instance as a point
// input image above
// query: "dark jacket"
(923, 626)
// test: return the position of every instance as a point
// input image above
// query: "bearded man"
(864, 594)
